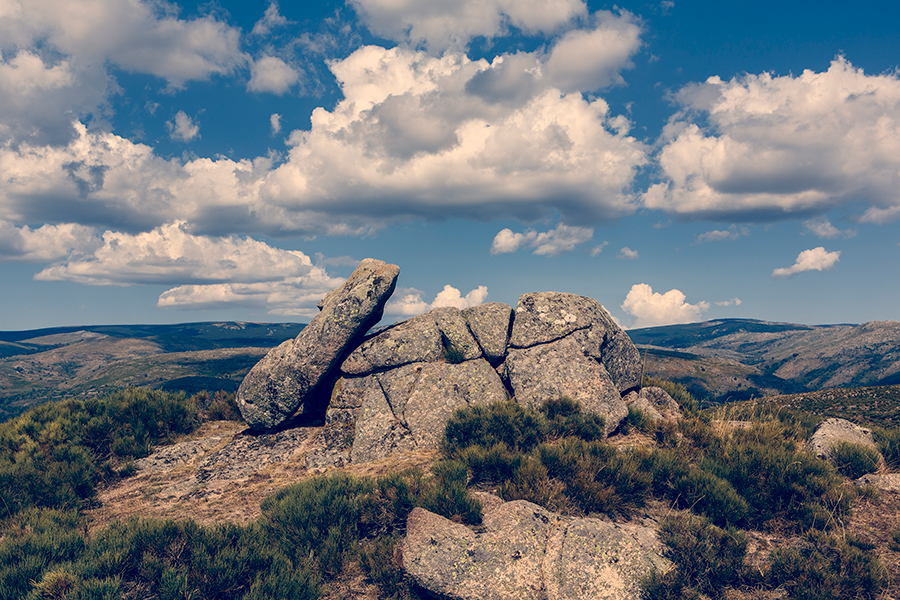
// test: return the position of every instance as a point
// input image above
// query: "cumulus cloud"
(823, 228)
(652, 309)
(54, 64)
(450, 25)
(815, 259)
(271, 74)
(171, 254)
(46, 243)
(406, 141)
(628, 254)
(182, 127)
(553, 243)
(275, 123)
(720, 235)
(778, 147)
(408, 302)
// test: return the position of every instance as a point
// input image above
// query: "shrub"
(503, 422)
(708, 559)
(679, 393)
(565, 419)
(888, 442)
(854, 460)
(825, 567)
(704, 493)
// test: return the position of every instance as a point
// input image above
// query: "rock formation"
(526, 552)
(283, 383)
(394, 390)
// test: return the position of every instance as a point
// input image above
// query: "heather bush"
(854, 460)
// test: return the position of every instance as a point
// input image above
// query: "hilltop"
(738, 359)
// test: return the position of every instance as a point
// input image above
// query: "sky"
(166, 162)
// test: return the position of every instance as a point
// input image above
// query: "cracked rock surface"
(525, 552)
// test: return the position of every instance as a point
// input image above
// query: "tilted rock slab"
(280, 384)
(528, 553)
(832, 431)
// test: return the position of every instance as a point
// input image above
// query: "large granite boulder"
(545, 317)
(549, 371)
(830, 432)
(525, 552)
(490, 324)
(283, 382)
(408, 407)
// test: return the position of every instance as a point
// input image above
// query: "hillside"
(40, 365)
(735, 359)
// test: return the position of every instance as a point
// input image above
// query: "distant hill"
(734, 359)
(44, 364)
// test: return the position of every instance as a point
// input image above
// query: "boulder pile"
(394, 391)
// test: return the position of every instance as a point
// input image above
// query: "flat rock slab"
(525, 552)
(282, 383)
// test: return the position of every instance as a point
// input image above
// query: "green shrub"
(777, 480)
(825, 567)
(704, 493)
(687, 402)
(503, 422)
(854, 460)
(636, 420)
(492, 465)
(566, 419)
(708, 559)
(888, 442)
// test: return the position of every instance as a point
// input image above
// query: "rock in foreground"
(526, 552)
(282, 383)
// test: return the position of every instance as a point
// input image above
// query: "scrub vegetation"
(720, 486)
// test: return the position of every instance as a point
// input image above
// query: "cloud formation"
(183, 128)
(46, 243)
(407, 302)
(627, 253)
(815, 259)
(780, 147)
(553, 243)
(823, 228)
(54, 64)
(271, 74)
(652, 309)
(720, 235)
(450, 25)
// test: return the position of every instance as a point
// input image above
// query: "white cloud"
(171, 254)
(182, 128)
(591, 59)
(652, 309)
(271, 74)
(823, 228)
(628, 254)
(408, 302)
(46, 243)
(732, 302)
(553, 243)
(815, 259)
(56, 55)
(720, 235)
(275, 123)
(271, 19)
(777, 147)
(450, 25)
(599, 248)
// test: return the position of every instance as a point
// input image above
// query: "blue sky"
(677, 161)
